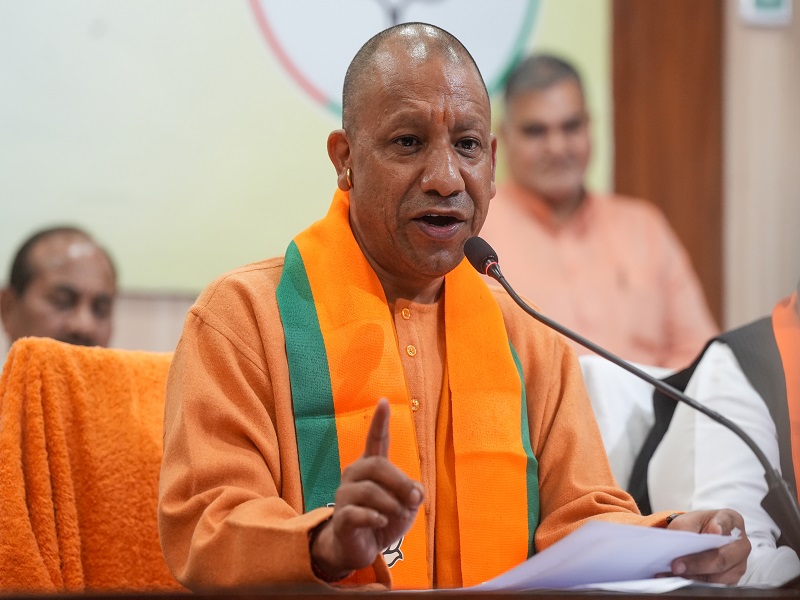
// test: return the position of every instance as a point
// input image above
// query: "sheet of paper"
(601, 552)
(662, 585)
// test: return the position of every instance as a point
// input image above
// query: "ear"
(7, 303)
(339, 153)
(494, 165)
(503, 131)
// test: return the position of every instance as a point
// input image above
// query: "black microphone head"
(480, 254)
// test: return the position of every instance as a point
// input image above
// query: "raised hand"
(722, 565)
(375, 505)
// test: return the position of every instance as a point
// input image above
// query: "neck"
(564, 207)
(423, 291)
(420, 289)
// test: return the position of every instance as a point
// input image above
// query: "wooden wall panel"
(667, 87)
(762, 166)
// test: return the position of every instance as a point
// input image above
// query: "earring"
(347, 174)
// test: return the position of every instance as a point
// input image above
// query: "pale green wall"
(169, 130)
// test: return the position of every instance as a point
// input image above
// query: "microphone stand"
(779, 503)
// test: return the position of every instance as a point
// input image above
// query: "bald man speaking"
(364, 410)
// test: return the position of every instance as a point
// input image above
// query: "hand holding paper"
(717, 565)
(601, 552)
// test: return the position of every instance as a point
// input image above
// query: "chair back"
(80, 453)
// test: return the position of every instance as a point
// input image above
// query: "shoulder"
(640, 224)
(533, 341)
(719, 374)
(717, 356)
(252, 282)
(627, 208)
(240, 305)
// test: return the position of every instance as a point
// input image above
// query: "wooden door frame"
(667, 65)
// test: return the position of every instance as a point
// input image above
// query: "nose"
(442, 173)
(82, 326)
(557, 142)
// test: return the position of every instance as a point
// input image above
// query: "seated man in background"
(277, 464)
(62, 285)
(752, 376)
(606, 266)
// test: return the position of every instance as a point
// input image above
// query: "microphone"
(779, 503)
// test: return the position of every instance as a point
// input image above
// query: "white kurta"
(702, 465)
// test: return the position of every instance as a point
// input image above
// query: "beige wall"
(762, 189)
(150, 321)
(142, 322)
(762, 166)
(174, 133)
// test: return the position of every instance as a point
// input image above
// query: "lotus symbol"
(393, 553)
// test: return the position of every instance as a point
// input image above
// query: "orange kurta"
(614, 272)
(230, 511)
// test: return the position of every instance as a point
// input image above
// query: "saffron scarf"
(343, 356)
(786, 326)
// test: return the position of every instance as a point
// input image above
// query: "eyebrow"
(537, 124)
(63, 287)
(576, 120)
(411, 118)
(66, 288)
(472, 122)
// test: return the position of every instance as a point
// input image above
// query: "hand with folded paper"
(725, 564)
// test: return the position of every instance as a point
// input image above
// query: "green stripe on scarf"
(312, 397)
(532, 471)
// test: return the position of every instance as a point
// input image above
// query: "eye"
(63, 299)
(534, 131)
(406, 141)
(469, 144)
(573, 126)
(101, 307)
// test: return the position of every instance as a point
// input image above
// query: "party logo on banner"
(314, 40)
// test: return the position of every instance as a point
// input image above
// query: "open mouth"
(439, 220)
(440, 227)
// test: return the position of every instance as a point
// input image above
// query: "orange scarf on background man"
(786, 326)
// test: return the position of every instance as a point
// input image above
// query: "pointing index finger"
(378, 435)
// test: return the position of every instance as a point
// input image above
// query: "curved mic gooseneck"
(779, 503)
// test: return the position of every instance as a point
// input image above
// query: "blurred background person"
(607, 266)
(62, 285)
(751, 376)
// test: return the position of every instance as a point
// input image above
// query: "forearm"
(256, 543)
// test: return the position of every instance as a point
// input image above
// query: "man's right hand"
(376, 504)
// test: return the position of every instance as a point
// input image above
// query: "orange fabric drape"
(80, 453)
(786, 325)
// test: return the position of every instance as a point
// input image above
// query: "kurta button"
(406, 314)
(410, 350)
(414, 404)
